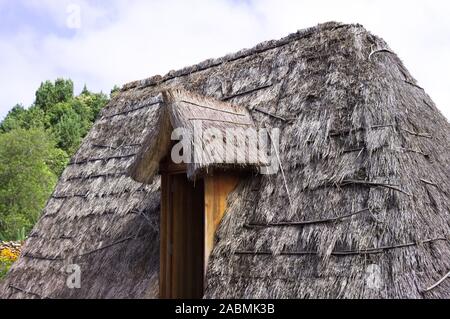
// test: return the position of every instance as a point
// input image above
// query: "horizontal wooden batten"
(172, 168)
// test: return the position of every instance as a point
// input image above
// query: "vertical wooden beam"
(217, 189)
(177, 197)
(163, 253)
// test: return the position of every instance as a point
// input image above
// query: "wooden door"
(182, 237)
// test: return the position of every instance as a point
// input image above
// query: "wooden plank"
(198, 237)
(217, 189)
(188, 221)
(163, 293)
(186, 237)
(177, 196)
(190, 215)
(167, 166)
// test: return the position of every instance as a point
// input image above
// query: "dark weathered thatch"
(190, 112)
(366, 160)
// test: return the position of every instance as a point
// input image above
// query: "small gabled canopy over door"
(193, 194)
(199, 115)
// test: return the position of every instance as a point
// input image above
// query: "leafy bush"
(7, 258)
(5, 265)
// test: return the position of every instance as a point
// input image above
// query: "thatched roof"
(366, 161)
(193, 112)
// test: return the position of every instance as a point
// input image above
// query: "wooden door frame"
(167, 169)
(216, 190)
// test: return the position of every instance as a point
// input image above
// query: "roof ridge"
(261, 47)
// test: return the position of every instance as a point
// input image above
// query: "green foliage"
(67, 118)
(21, 234)
(35, 146)
(115, 90)
(85, 90)
(14, 119)
(8, 256)
(57, 160)
(50, 93)
(69, 131)
(26, 181)
(19, 117)
(71, 121)
(5, 265)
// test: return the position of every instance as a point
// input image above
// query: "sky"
(112, 42)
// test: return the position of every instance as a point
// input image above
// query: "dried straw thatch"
(366, 160)
(193, 112)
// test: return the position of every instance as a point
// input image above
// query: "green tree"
(70, 121)
(85, 91)
(35, 144)
(29, 166)
(115, 90)
(19, 117)
(14, 119)
(67, 118)
(50, 93)
(94, 103)
(69, 132)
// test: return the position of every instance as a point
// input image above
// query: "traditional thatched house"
(359, 208)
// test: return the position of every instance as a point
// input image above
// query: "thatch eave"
(189, 111)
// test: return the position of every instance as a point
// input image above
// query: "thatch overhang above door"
(203, 117)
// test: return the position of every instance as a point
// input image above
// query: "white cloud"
(129, 40)
(21, 71)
